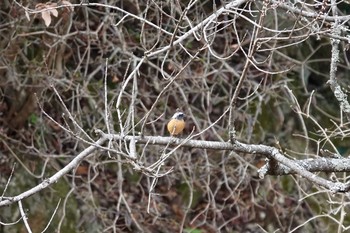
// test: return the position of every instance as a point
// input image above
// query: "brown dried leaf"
(54, 12)
(49, 5)
(39, 6)
(68, 4)
(46, 17)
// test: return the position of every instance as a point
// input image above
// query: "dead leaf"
(68, 4)
(46, 14)
(46, 17)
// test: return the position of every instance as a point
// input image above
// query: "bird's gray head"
(179, 116)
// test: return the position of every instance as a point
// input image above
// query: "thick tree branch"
(311, 165)
(286, 166)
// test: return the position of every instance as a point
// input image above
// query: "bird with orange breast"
(177, 124)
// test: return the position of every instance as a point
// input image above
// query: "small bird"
(177, 124)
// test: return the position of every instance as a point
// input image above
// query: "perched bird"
(177, 123)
